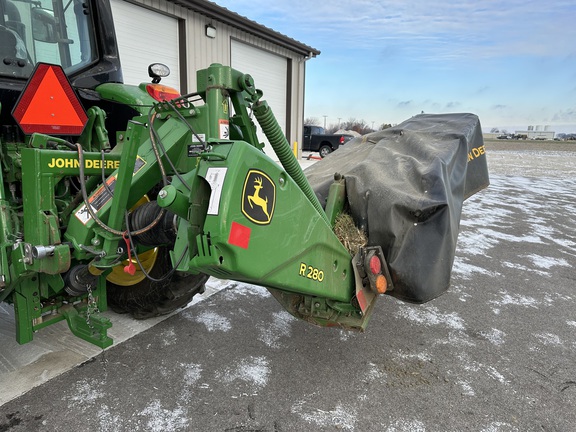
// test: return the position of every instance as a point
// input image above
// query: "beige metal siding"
(139, 48)
(201, 51)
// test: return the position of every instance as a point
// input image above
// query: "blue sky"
(511, 62)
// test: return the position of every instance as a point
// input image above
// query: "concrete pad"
(56, 350)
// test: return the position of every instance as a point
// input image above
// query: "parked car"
(316, 140)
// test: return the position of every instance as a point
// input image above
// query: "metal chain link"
(91, 308)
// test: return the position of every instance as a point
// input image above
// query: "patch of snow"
(515, 300)
(423, 356)
(547, 262)
(374, 373)
(281, 326)
(499, 427)
(107, 421)
(213, 321)
(406, 426)
(252, 370)
(524, 268)
(483, 370)
(549, 338)
(430, 315)
(192, 373)
(86, 392)
(339, 418)
(467, 271)
(467, 389)
(238, 289)
(163, 420)
(456, 339)
(495, 336)
(168, 337)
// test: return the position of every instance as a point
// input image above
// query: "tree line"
(352, 124)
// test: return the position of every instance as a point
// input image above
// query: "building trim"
(226, 16)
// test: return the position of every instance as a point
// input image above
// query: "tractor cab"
(77, 35)
(69, 33)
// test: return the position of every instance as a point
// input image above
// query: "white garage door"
(270, 73)
(145, 37)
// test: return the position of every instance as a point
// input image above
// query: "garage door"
(145, 37)
(270, 73)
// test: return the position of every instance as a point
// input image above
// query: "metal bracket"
(95, 331)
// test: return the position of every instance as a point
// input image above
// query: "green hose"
(279, 143)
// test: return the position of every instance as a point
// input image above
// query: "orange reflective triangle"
(49, 104)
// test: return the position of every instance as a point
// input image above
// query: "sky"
(511, 62)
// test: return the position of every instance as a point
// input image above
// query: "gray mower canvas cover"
(405, 187)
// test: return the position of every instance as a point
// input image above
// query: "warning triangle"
(49, 104)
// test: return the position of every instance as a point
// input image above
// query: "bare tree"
(352, 124)
(312, 121)
(333, 128)
(359, 126)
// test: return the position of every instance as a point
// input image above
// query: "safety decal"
(215, 177)
(258, 197)
(224, 127)
(138, 165)
(97, 200)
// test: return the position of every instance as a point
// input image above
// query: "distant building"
(538, 133)
(490, 135)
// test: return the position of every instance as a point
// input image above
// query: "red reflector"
(342, 139)
(161, 92)
(239, 235)
(375, 265)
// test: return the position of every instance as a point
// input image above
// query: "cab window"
(49, 31)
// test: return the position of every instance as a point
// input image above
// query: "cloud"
(567, 116)
(433, 30)
(510, 62)
(452, 105)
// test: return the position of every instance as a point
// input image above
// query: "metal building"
(538, 133)
(188, 35)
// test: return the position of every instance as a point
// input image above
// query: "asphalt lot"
(497, 352)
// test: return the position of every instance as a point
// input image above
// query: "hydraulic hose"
(279, 143)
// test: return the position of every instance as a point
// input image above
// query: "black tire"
(325, 150)
(148, 299)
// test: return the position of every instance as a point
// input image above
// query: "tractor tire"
(147, 299)
(324, 151)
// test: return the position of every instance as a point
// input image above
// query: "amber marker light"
(381, 284)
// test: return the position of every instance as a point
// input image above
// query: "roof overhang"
(226, 16)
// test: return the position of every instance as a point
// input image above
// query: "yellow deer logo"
(257, 199)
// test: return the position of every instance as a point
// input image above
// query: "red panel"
(239, 235)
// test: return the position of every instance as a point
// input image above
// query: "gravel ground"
(532, 158)
(555, 146)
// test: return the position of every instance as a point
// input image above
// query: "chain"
(92, 307)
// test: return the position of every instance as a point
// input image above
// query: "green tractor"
(130, 197)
